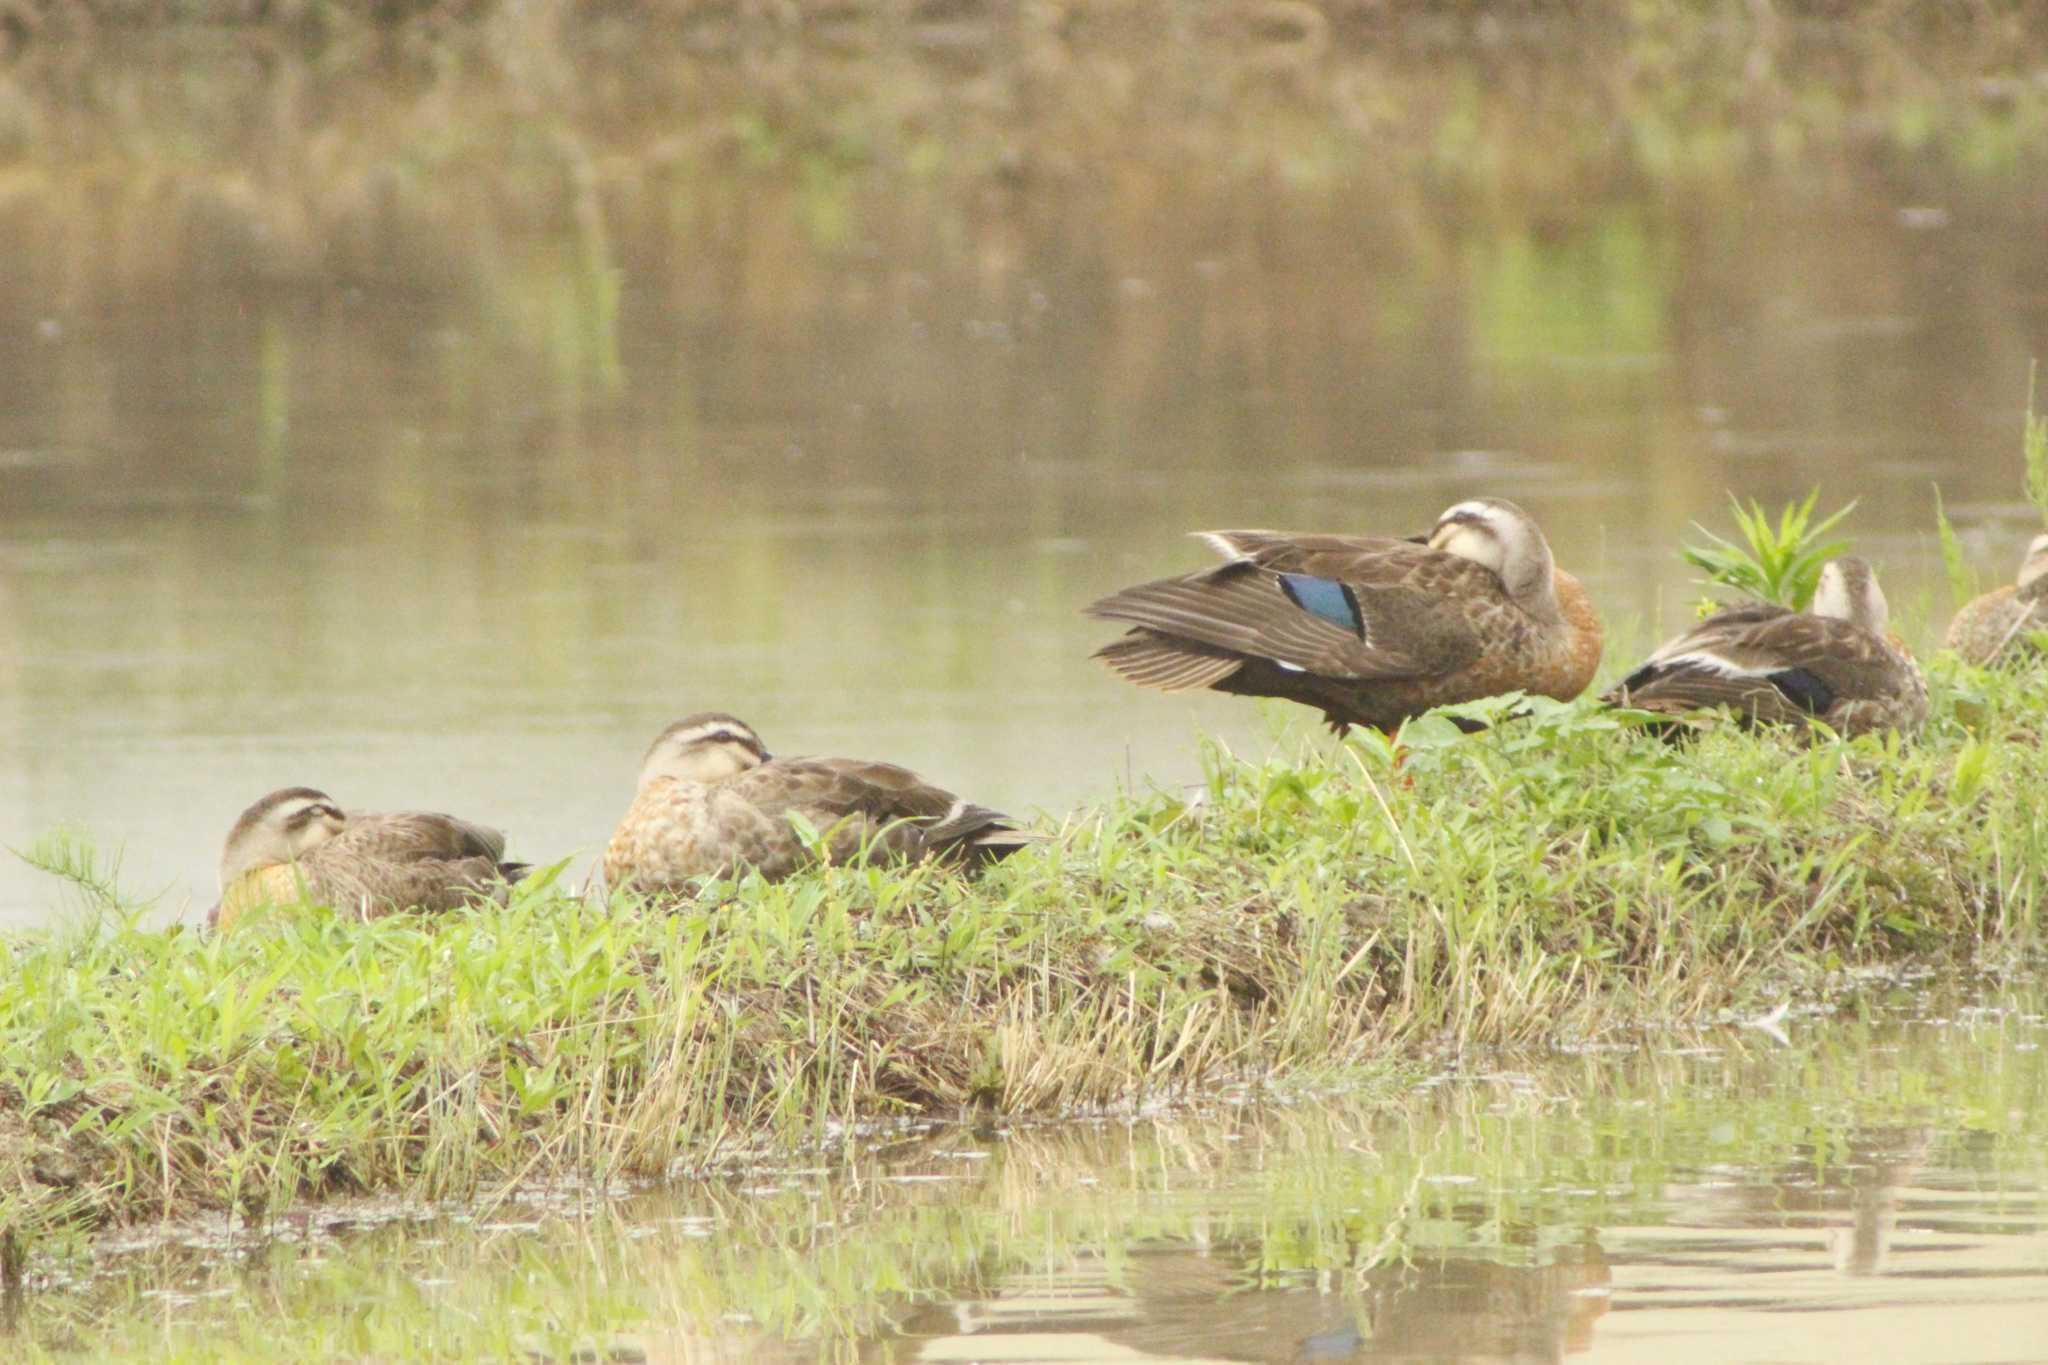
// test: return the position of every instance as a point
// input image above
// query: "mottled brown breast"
(1523, 655)
(1993, 627)
(656, 846)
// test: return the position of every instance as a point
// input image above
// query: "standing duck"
(1371, 630)
(713, 802)
(1774, 666)
(359, 862)
(1994, 628)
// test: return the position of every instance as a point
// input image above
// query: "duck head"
(1848, 591)
(707, 747)
(1500, 536)
(278, 829)
(2034, 568)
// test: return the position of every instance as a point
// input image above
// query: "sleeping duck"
(712, 801)
(1774, 666)
(298, 844)
(1371, 630)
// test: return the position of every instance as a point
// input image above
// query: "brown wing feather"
(881, 807)
(1242, 608)
(1431, 628)
(1729, 623)
(384, 863)
(1364, 558)
(1677, 691)
(375, 889)
(1152, 660)
(1417, 603)
(1776, 666)
(1412, 602)
(405, 836)
(1850, 660)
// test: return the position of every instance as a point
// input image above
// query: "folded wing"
(1337, 607)
(881, 808)
(1771, 665)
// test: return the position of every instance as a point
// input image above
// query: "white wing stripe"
(1715, 663)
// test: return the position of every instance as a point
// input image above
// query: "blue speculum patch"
(1324, 597)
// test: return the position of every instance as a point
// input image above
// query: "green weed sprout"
(1778, 563)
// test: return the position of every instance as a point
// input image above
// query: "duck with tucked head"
(713, 802)
(298, 844)
(1995, 628)
(1371, 630)
(1770, 665)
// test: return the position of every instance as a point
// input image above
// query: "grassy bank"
(1478, 1203)
(1558, 877)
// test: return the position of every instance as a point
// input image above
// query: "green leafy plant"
(1778, 562)
(94, 875)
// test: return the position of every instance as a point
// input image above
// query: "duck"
(298, 844)
(1993, 628)
(1371, 630)
(713, 802)
(1771, 665)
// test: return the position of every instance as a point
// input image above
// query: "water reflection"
(1178, 1305)
(432, 418)
(1877, 1189)
(1852, 1195)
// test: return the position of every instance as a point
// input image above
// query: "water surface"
(431, 419)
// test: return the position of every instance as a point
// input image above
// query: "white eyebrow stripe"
(711, 733)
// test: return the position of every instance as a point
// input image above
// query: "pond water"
(1865, 1183)
(432, 417)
